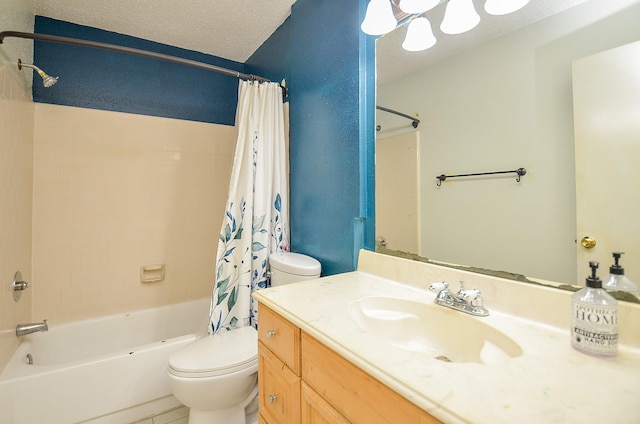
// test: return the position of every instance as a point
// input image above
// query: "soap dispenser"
(594, 318)
(617, 279)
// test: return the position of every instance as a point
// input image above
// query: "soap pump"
(617, 279)
(594, 318)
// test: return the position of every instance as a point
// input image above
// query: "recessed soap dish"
(151, 273)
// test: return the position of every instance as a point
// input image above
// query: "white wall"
(504, 105)
(398, 192)
(17, 15)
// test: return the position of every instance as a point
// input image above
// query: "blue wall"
(99, 79)
(329, 68)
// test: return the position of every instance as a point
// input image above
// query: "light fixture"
(419, 35)
(379, 18)
(460, 16)
(417, 6)
(502, 7)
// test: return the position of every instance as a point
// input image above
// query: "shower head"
(47, 80)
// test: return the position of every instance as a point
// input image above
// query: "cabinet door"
(316, 410)
(279, 389)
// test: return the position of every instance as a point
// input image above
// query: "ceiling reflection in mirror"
(498, 97)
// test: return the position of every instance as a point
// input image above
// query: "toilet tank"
(288, 267)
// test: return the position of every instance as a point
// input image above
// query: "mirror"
(503, 104)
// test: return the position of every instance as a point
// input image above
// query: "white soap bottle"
(617, 279)
(594, 318)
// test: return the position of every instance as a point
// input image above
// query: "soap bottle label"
(595, 329)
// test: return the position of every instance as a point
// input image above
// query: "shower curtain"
(256, 222)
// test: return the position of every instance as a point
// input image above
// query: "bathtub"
(104, 370)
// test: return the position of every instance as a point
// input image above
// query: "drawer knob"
(273, 398)
(271, 334)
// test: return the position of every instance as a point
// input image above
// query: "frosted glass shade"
(417, 6)
(460, 16)
(419, 35)
(502, 7)
(379, 18)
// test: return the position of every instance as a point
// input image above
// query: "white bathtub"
(104, 370)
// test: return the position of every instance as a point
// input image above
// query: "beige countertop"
(549, 383)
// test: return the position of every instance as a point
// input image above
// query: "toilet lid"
(295, 263)
(222, 353)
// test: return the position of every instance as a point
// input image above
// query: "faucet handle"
(477, 301)
(442, 285)
(466, 294)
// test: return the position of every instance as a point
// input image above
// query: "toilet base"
(225, 416)
(245, 413)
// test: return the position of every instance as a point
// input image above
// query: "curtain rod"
(130, 50)
(414, 121)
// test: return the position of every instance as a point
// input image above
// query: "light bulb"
(379, 18)
(419, 35)
(460, 16)
(417, 6)
(502, 7)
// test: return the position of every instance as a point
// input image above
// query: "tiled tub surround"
(16, 180)
(550, 382)
(107, 370)
(114, 191)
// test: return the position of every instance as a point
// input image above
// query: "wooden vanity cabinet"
(303, 381)
(360, 398)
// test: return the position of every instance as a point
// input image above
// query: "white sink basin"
(433, 330)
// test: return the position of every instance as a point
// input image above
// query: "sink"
(433, 330)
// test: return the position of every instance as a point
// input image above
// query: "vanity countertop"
(550, 382)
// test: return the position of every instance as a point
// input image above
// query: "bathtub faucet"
(24, 329)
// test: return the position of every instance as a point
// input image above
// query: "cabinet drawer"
(356, 395)
(316, 410)
(280, 336)
(279, 389)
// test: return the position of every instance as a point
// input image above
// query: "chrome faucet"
(24, 329)
(468, 301)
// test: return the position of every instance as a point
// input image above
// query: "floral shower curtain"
(256, 217)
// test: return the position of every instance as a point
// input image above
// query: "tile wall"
(16, 170)
(113, 192)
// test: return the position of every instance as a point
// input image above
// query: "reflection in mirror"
(503, 104)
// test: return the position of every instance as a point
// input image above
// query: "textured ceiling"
(231, 29)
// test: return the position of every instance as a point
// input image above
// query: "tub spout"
(24, 329)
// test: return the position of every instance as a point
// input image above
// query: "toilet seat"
(216, 355)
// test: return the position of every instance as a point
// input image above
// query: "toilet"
(216, 377)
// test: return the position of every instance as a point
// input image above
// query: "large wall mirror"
(495, 102)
